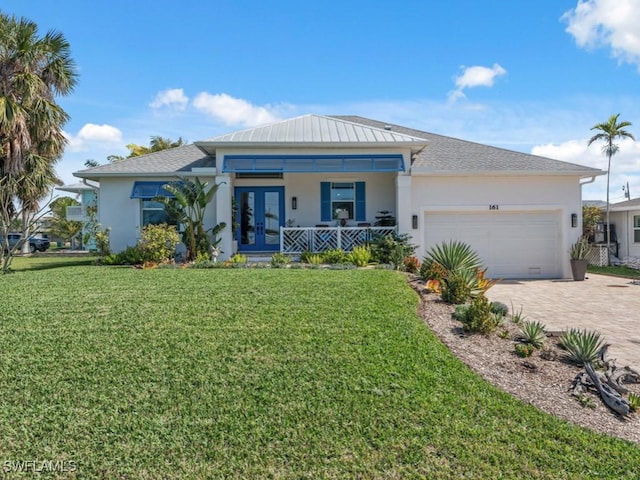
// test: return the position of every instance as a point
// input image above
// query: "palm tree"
(187, 207)
(609, 132)
(33, 71)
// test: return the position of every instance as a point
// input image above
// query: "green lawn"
(173, 373)
(621, 271)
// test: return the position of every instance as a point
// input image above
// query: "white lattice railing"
(597, 255)
(320, 239)
(76, 213)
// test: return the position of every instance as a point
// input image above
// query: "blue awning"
(313, 163)
(149, 190)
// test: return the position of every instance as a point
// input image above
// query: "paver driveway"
(609, 305)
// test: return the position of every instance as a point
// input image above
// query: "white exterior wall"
(123, 215)
(509, 193)
(624, 229)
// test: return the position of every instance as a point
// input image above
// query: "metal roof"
(175, 161)
(314, 130)
(447, 155)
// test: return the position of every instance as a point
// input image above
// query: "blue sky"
(529, 76)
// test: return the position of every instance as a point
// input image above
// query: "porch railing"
(76, 213)
(320, 239)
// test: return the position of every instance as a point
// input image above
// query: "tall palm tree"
(33, 70)
(609, 131)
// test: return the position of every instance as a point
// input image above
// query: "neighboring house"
(294, 182)
(625, 216)
(87, 213)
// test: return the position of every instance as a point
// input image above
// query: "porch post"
(404, 208)
(223, 214)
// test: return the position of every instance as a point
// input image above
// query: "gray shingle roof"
(626, 205)
(447, 155)
(166, 162)
(314, 130)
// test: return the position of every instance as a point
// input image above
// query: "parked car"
(35, 243)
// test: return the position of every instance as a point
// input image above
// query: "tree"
(187, 207)
(60, 226)
(590, 217)
(33, 71)
(609, 132)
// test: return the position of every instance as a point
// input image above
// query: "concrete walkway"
(609, 305)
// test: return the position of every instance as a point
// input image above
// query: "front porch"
(296, 240)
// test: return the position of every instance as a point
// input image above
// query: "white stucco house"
(625, 217)
(296, 181)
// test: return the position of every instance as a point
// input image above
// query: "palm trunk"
(608, 225)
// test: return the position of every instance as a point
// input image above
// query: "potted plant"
(578, 254)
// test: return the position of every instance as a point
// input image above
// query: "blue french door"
(260, 214)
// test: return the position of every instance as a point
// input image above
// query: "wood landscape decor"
(610, 384)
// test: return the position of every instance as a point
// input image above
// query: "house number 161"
(494, 207)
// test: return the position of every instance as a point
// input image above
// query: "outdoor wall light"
(574, 220)
(414, 222)
(294, 203)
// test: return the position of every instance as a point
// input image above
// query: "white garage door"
(511, 244)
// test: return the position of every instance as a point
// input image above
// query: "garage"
(525, 244)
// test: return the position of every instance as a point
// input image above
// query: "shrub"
(129, 256)
(315, 259)
(460, 312)
(238, 258)
(279, 260)
(305, 256)
(634, 401)
(360, 256)
(432, 271)
(333, 256)
(582, 346)
(533, 333)
(411, 264)
(392, 248)
(479, 317)
(524, 349)
(455, 289)
(158, 242)
(499, 308)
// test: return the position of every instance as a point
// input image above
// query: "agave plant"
(455, 256)
(533, 333)
(582, 346)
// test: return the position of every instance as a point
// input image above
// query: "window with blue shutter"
(361, 211)
(337, 197)
(325, 201)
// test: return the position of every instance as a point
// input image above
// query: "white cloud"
(91, 133)
(625, 165)
(476, 76)
(171, 98)
(609, 23)
(233, 111)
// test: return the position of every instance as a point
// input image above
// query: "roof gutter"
(593, 179)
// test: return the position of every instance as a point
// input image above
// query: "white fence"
(320, 239)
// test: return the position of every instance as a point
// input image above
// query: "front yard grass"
(246, 373)
(620, 271)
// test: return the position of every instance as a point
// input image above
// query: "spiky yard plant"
(634, 401)
(582, 346)
(454, 256)
(533, 333)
